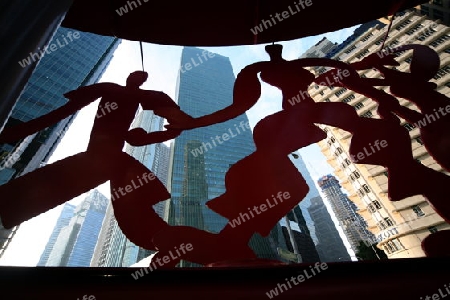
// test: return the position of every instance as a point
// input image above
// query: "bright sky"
(162, 63)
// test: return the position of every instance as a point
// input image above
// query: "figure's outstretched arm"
(246, 92)
(78, 99)
(139, 137)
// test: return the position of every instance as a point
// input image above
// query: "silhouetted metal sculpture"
(49, 186)
(256, 181)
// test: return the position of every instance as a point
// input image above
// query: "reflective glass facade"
(63, 220)
(74, 246)
(113, 248)
(331, 248)
(73, 59)
(200, 159)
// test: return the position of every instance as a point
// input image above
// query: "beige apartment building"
(399, 226)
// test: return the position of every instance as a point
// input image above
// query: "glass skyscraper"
(63, 220)
(330, 247)
(199, 161)
(113, 249)
(353, 225)
(71, 63)
(75, 243)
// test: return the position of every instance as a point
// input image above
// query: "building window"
(419, 140)
(418, 211)
(333, 139)
(367, 114)
(426, 34)
(350, 49)
(433, 229)
(349, 98)
(340, 92)
(442, 72)
(371, 208)
(388, 222)
(414, 29)
(356, 174)
(403, 24)
(362, 54)
(358, 105)
(366, 188)
(396, 244)
(439, 40)
(321, 93)
(367, 37)
(352, 178)
(408, 60)
(339, 149)
(376, 204)
(347, 161)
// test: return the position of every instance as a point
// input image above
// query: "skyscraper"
(72, 59)
(301, 229)
(113, 249)
(400, 226)
(63, 220)
(200, 159)
(330, 246)
(353, 225)
(76, 241)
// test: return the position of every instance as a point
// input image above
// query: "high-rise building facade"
(113, 249)
(74, 246)
(63, 220)
(72, 59)
(345, 211)
(436, 10)
(298, 226)
(399, 226)
(330, 246)
(199, 161)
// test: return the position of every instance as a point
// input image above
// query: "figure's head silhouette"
(136, 79)
(275, 52)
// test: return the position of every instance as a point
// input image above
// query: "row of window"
(354, 176)
(374, 206)
(439, 40)
(393, 246)
(385, 223)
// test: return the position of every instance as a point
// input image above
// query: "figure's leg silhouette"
(133, 210)
(45, 188)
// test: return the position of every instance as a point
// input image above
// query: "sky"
(162, 63)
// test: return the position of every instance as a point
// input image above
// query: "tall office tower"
(200, 157)
(72, 59)
(399, 226)
(298, 237)
(76, 241)
(330, 246)
(353, 225)
(63, 220)
(320, 49)
(436, 10)
(113, 249)
(298, 227)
